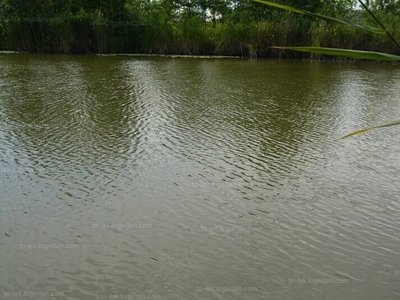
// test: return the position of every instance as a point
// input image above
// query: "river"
(128, 177)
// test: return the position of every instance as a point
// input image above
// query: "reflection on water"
(197, 179)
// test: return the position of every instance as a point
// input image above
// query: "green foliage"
(314, 15)
(192, 34)
(320, 31)
(386, 6)
(226, 27)
(309, 5)
(337, 8)
(157, 33)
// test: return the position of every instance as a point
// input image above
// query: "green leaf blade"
(331, 19)
(369, 128)
(357, 54)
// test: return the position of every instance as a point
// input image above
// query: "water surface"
(160, 178)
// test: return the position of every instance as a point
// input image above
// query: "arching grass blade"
(369, 128)
(358, 54)
(310, 14)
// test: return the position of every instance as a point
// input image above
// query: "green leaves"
(310, 14)
(369, 128)
(358, 54)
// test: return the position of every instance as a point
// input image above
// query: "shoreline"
(267, 60)
(171, 55)
(131, 54)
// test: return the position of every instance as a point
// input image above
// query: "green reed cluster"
(200, 27)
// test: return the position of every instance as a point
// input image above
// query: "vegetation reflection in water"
(197, 178)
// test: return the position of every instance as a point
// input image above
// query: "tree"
(387, 6)
(214, 8)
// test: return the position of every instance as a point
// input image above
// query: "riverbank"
(230, 59)
(192, 36)
(172, 55)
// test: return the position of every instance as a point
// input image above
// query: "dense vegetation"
(216, 27)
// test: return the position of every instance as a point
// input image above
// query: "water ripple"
(229, 164)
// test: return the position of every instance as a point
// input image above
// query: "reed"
(192, 37)
(155, 27)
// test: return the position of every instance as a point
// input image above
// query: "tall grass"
(157, 33)
(254, 38)
(338, 36)
(152, 29)
(192, 36)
